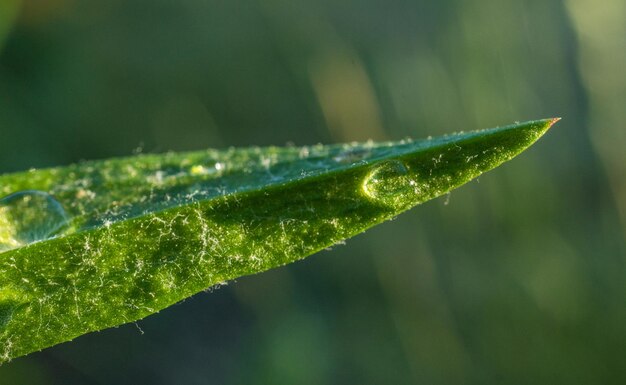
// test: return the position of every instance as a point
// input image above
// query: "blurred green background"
(519, 278)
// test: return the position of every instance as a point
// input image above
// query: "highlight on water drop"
(30, 216)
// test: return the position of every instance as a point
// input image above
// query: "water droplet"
(29, 216)
(389, 183)
(351, 155)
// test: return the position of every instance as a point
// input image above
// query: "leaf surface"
(102, 243)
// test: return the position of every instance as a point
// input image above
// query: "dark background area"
(517, 278)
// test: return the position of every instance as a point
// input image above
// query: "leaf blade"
(113, 267)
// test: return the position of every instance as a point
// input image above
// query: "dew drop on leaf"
(29, 216)
(389, 182)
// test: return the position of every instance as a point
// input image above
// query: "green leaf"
(102, 243)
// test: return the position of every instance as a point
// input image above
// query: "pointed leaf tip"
(517, 137)
(540, 127)
(548, 123)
